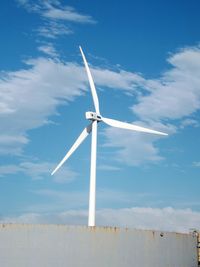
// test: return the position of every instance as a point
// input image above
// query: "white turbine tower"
(95, 118)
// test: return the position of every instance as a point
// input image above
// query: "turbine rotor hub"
(92, 116)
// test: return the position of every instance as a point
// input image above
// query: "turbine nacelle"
(92, 116)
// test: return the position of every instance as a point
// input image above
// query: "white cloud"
(57, 12)
(33, 94)
(68, 217)
(49, 50)
(12, 142)
(120, 79)
(39, 170)
(30, 6)
(54, 10)
(55, 17)
(133, 148)
(165, 219)
(177, 93)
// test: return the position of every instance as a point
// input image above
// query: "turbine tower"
(95, 118)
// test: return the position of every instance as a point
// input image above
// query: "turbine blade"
(77, 143)
(129, 126)
(91, 82)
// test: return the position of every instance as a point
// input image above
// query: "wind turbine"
(95, 118)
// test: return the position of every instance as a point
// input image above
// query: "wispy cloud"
(189, 122)
(79, 199)
(59, 200)
(166, 219)
(38, 170)
(53, 30)
(58, 12)
(54, 200)
(106, 167)
(55, 10)
(55, 17)
(48, 49)
(196, 164)
(133, 148)
(12, 142)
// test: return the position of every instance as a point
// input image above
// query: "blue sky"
(145, 60)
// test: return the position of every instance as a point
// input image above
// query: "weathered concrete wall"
(72, 246)
(198, 246)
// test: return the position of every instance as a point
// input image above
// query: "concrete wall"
(72, 246)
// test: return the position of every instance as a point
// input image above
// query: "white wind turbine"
(95, 118)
